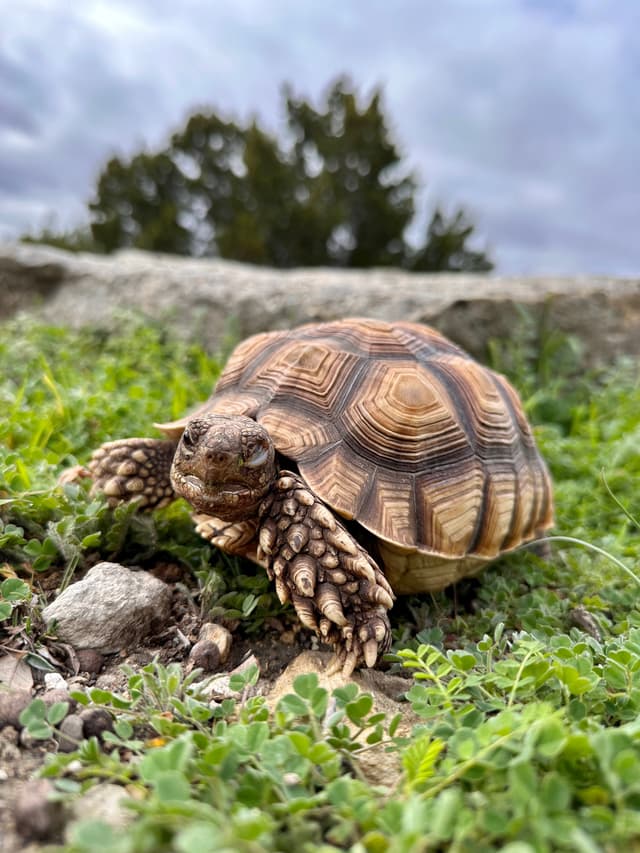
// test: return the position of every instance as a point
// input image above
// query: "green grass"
(526, 682)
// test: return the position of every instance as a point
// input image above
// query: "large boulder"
(213, 298)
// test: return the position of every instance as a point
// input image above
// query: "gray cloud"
(525, 112)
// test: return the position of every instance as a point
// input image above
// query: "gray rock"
(211, 298)
(95, 722)
(71, 733)
(104, 802)
(12, 704)
(37, 817)
(111, 608)
(211, 651)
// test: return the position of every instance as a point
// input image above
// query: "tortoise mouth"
(225, 499)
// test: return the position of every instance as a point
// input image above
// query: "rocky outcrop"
(213, 298)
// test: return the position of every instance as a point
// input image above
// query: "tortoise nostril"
(217, 457)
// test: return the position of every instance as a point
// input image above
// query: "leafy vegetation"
(333, 191)
(525, 683)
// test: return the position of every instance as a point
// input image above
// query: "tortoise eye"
(187, 439)
(256, 454)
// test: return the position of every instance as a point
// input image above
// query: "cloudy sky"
(527, 112)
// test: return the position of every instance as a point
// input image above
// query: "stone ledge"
(210, 297)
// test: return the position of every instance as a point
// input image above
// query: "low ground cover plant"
(525, 683)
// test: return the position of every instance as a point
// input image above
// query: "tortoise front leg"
(233, 537)
(134, 468)
(335, 586)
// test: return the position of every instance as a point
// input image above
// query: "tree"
(142, 204)
(445, 247)
(352, 172)
(334, 191)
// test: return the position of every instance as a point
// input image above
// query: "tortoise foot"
(133, 469)
(337, 589)
(238, 538)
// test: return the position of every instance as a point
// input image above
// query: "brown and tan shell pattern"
(395, 427)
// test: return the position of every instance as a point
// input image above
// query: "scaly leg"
(335, 586)
(238, 538)
(134, 468)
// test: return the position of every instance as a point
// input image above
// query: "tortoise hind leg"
(134, 469)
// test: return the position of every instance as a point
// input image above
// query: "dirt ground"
(278, 643)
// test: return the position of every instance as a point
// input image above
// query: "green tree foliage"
(143, 204)
(333, 191)
(352, 172)
(445, 246)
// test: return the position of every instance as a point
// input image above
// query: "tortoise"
(354, 460)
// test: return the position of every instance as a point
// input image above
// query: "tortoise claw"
(337, 589)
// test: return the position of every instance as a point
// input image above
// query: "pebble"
(71, 733)
(110, 609)
(95, 721)
(211, 651)
(54, 681)
(90, 660)
(12, 704)
(36, 816)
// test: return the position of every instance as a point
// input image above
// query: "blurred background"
(466, 135)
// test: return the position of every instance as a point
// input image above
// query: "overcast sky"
(527, 112)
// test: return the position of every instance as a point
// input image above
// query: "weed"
(528, 735)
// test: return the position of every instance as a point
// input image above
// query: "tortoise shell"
(397, 428)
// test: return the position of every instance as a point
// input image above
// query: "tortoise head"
(224, 466)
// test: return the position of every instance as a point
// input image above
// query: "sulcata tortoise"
(352, 459)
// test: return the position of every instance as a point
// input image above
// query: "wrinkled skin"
(224, 466)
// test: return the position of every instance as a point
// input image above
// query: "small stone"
(90, 660)
(205, 655)
(50, 697)
(53, 680)
(12, 704)
(103, 802)
(581, 618)
(212, 649)
(219, 635)
(95, 721)
(36, 816)
(71, 733)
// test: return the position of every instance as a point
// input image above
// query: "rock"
(54, 681)
(209, 297)
(36, 816)
(12, 704)
(95, 721)
(211, 651)
(103, 802)
(111, 608)
(58, 694)
(71, 733)
(219, 688)
(90, 660)
(379, 767)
